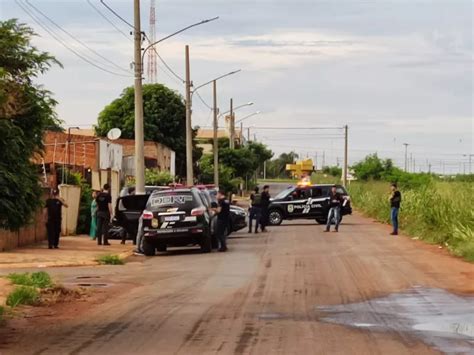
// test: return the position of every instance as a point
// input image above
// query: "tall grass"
(23, 295)
(439, 212)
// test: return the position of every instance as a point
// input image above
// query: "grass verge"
(439, 213)
(110, 260)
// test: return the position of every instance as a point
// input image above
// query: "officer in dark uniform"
(53, 209)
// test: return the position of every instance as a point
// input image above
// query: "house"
(81, 150)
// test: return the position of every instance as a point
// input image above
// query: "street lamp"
(139, 136)
(250, 103)
(215, 123)
(248, 116)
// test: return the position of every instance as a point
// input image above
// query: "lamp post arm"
(177, 32)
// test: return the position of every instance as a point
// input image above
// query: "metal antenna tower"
(152, 67)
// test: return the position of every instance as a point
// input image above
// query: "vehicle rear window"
(180, 199)
(341, 190)
(133, 202)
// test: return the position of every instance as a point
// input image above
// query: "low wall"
(34, 233)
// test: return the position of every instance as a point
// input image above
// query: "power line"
(110, 22)
(116, 14)
(202, 100)
(163, 61)
(58, 39)
(75, 38)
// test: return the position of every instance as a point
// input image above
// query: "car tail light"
(147, 215)
(198, 211)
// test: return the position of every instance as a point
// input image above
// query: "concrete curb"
(46, 264)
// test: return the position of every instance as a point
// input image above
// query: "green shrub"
(23, 295)
(110, 260)
(39, 279)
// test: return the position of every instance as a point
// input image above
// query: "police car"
(305, 202)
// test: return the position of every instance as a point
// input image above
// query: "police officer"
(223, 218)
(265, 203)
(335, 203)
(255, 209)
(104, 213)
(53, 209)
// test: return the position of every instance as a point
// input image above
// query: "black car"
(128, 209)
(176, 217)
(305, 202)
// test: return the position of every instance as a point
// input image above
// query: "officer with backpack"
(255, 209)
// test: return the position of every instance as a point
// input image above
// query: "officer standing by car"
(255, 209)
(335, 203)
(265, 204)
(223, 217)
(53, 209)
(104, 214)
(395, 199)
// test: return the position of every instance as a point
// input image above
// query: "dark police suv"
(176, 217)
(305, 202)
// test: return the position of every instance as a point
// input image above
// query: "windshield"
(284, 193)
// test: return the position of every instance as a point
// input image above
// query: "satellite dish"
(114, 134)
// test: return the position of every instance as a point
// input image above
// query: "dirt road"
(294, 290)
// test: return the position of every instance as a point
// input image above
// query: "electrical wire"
(202, 100)
(76, 39)
(58, 39)
(116, 14)
(109, 21)
(163, 61)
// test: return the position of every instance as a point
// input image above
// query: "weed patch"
(110, 260)
(23, 295)
(39, 279)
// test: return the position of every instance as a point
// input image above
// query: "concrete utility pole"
(346, 145)
(248, 134)
(406, 156)
(470, 161)
(139, 139)
(215, 149)
(324, 159)
(189, 129)
(231, 125)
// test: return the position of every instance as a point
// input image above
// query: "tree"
(372, 167)
(26, 111)
(276, 168)
(164, 120)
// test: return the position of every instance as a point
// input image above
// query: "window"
(317, 192)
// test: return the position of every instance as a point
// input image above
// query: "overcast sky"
(394, 71)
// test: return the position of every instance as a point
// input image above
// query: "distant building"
(93, 156)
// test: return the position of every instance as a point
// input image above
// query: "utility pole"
(324, 160)
(139, 139)
(346, 145)
(215, 140)
(248, 134)
(406, 156)
(231, 125)
(265, 170)
(189, 129)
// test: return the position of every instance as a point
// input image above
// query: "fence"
(34, 233)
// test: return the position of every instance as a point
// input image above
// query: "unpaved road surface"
(294, 290)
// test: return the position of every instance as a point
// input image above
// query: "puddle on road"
(437, 317)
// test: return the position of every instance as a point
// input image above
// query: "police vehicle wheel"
(206, 243)
(148, 249)
(275, 217)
